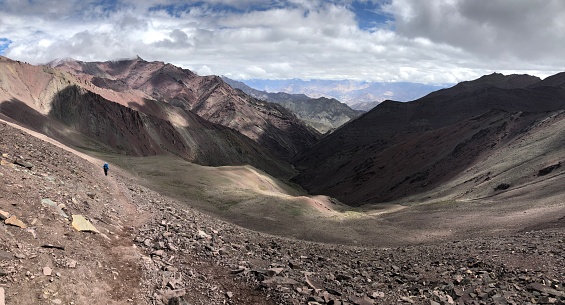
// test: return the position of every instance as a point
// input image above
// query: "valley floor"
(157, 249)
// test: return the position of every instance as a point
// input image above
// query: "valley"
(216, 196)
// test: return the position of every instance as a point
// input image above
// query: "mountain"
(270, 125)
(323, 114)
(74, 111)
(273, 97)
(469, 141)
(365, 106)
(353, 93)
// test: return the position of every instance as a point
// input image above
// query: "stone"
(4, 215)
(81, 224)
(361, 301)
(229, 294)
(57, 301)
(70, 263)
(276, 271)
(545, 289)
(47, 271)
(168, 295)
(50, 203)
(2, 296)
(407, 300)
(23, 163)
(202, 235)
(50, 246)
(14, 221)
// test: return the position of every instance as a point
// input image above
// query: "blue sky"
(4, 43)
(435, 41)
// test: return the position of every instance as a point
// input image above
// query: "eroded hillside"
(146, 248)
(484, 133)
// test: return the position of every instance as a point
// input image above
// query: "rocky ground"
(146, 248)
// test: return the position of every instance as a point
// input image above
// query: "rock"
(14, 221)
(229, 294)
(202, 235)
(276, 271)
(377, 294)
(173, 295)
(91, 195)
(50, 246)
(47, 271)
(334, 292)
(50, 203)
(2, 296)
(548, 290)
(70, 263)
(83, 225)
(177, 301)
(499, 300)
(4, 215)
(23, 163)
(342, 277)
(57, 301)
(361, 301)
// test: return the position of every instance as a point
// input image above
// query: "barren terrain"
(155, 248)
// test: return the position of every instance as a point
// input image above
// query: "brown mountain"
(270, 125)
(474, 139)
(323, 114)
(74, 111)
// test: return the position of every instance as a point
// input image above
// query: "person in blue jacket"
(106, 167)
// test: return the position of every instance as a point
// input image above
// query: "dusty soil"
(155, 249)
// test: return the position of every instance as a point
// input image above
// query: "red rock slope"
(209, 97)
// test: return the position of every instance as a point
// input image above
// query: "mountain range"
(323, 114)
(477, 139)
(149, 108)
(359, 95)
(483, 138)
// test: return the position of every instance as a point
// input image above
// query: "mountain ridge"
(323, 114)
(476, 118)
(54, 102)
(209, 97)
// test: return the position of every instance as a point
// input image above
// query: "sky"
(432, 41)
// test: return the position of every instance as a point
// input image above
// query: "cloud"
(529, 31)
(398, 40)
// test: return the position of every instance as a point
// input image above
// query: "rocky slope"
(76, 112)
(150, 249)
(270, 125)
(462, 135)
(323, 114)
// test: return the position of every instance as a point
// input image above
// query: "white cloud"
(426, 41)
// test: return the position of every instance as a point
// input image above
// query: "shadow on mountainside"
(19, 112)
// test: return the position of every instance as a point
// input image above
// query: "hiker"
(106, 167)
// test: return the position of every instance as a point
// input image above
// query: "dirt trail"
(122, 200)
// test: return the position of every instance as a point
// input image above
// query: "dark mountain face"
(403, 149)
(322, 114)
(270, 125)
